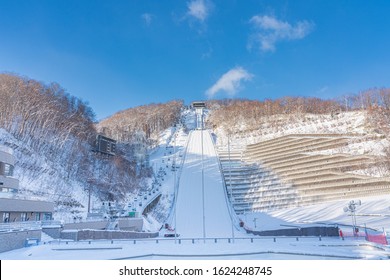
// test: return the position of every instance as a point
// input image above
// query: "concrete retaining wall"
(133, 224)
(17, 239)
(308, 231)
(69, 234)
(54, 232)
(87, 225)
(105, 234)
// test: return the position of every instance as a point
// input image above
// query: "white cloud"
(269, 31)
(322, 90)
(230, 82)
(199, 9)
(147, 18)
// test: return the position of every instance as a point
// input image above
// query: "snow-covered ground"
(186, 150)
(202, 209)
(374, 212)
(262, 248)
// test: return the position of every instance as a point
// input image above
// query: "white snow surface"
(187, 152)
(193, 218)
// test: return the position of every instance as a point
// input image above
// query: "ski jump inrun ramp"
(197, 217)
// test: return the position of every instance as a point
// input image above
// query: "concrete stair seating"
(224, 159)
(299, 143)
(306, 159)
(254, 190)
(230, 178)
(286, 155)
(293, 170)
(281, 159)
(349, 186)
(254, 179)
(238, 167)
(225, 153)
(260, 194)
(262, 147)
(267, 204)
(347, 165)
(294, 137)
(289, 146)
(270, 142)
(257, 192)
(330, 135)
(329, 180)
(301, 148)
(324, 162)
(251, 185)
(272, 202)
(344, 194)
(279, 141)
(323, 175)
(259, 187)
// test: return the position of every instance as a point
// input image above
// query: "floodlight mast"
(352, 208)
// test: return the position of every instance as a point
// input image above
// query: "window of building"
(47, 216)
(8, 170)
(23, 216)
(37, 216)
(6, 217)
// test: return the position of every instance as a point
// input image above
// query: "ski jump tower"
(199, 106)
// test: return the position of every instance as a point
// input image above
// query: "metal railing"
(17, 226)
(196, 240)
(29, 225)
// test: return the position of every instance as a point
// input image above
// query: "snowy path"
(189, 215)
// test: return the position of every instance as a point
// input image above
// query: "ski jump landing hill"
(202, 209)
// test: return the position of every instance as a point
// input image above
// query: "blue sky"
(124, 53)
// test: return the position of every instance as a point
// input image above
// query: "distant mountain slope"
(146, 121)
(51, 133)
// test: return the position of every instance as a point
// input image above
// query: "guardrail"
(30, 225)
(176, 187)
(17, 226)
(197, 240)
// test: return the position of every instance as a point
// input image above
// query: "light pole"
(230, 185)
(90, 181)
(174, 181)
(203, 206)
(352, 208)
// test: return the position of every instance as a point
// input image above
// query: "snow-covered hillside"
(374, 211)
(186, 149)
(40, 178)
(280, 125)
(353, 123)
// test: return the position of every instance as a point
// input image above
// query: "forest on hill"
(142, 122)
(53, 133)
(236, 113)
(46, 126)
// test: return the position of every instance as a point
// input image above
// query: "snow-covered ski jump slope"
(191, 220)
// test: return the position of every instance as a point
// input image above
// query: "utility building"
(13, 208)
(105, 145)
